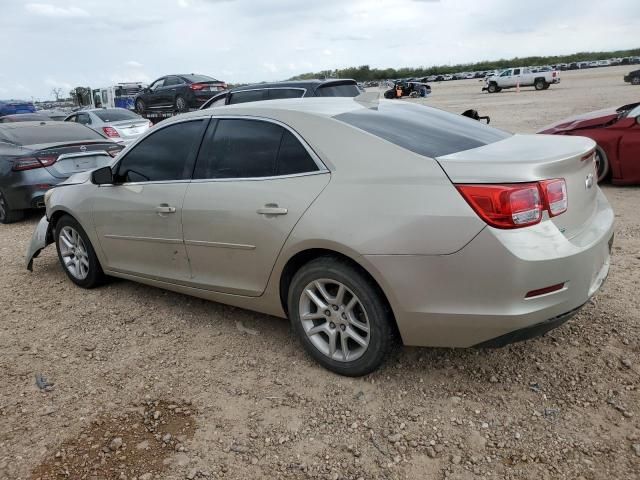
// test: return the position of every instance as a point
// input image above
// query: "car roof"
(313, 84)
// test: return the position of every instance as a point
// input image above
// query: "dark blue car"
(11, 107)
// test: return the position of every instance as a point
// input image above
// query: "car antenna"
(368, 99)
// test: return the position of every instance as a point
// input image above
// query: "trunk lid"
(128, 129)
(76, 157)
(529, 158)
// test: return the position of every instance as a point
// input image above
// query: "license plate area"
(68, 166)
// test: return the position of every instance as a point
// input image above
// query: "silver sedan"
(358, 220)
(119, 124)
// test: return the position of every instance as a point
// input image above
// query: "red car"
(617, 133)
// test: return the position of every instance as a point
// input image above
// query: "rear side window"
(423, 130)
(248, 96)
(167, 154)
(279, 93)
(23, 134)
(115, 115)
(236, 148)
(340, 90)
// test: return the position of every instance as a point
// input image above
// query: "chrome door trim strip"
(144, 239)
(203, 243)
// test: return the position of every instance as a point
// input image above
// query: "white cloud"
(133, 63)
(270, 67)
(48, 10)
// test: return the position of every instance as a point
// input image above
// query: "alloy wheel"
(74, 253)
(334, 320)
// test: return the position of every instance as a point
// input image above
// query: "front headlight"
(47, 196)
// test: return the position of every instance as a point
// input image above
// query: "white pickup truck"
(523, 77)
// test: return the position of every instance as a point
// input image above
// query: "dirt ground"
(564, 406)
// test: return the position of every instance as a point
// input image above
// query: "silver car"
(119, 124)
(355, 219)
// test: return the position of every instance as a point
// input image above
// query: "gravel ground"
(564, 406)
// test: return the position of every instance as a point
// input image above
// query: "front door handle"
(160, 209)
(272, 209)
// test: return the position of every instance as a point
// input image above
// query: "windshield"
(423, 130)
(634, 112)
(115, 115)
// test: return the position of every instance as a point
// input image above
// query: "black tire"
(140, 106)
(390, 94)
(546, 86)
(7, 215)
(602, 163)
(540, 84)
(181, 104)
(378, 315)
(95, 276)
(635, 81)
(493, 88)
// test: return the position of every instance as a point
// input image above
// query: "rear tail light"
(198, 86)
(555, 193)
(29, 163)
(516, 205)
(110, 132)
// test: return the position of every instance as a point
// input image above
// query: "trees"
(56, 92)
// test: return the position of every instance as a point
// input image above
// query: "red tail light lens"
(110, 132)
(555, 193)
(198, 86)
(516, 205)
(29, 163)
(505, 206)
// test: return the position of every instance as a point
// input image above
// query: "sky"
(67, 43)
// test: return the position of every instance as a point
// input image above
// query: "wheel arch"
(302, 257)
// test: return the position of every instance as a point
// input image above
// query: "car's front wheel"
(7, 215)
(140, 106)
(76, 254)
(635, 81)
(340, 317)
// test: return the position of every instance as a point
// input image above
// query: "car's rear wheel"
(76, 254)
(539, 84)
(181, 104)
(7, 215)
(340, 316)
(140, 106)
(602, 164)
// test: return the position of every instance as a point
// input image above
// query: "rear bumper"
(27, 188)
(477, 294)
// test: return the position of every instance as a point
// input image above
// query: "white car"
(119, 124)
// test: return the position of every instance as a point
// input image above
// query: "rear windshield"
(423, 130)
(199, 78)
(33, 134)
(340, 90)
(115, 115)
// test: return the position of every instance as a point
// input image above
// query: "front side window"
(84, 119)
(167, 154)
(236, 148)
(506, 73)
(157, 84)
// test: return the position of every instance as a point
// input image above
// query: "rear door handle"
(165, 209)
(272, 209)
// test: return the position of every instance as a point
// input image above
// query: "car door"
(153, 98)
(252, 182)
(169, 90)
(504, 79)
(630, 147)
(138, 219)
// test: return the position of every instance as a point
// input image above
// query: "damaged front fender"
(40, 239)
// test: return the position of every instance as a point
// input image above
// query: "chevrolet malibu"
(358, 220)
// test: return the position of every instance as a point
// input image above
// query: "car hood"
(598, 118)
(77, 178)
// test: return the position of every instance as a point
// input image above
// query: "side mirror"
(102, 176)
